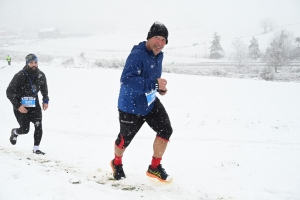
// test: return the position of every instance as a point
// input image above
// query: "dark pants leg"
(33, 115)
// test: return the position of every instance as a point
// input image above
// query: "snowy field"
(233, 139)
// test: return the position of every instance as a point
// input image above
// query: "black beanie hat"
(158, 29)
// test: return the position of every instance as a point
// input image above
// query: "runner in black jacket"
(23, 94)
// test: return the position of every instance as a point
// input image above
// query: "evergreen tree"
(216, 51)
(254, 52)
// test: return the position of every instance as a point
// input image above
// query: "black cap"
(158, 29)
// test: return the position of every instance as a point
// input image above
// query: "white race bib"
(28, 101)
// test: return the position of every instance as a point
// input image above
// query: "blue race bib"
(28, 101)
(150, 96)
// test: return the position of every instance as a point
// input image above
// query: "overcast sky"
(93, 15)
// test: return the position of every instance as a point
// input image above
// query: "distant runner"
(8, 59)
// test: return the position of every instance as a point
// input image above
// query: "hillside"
(186, 52)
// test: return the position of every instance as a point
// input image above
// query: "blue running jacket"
(139, 76)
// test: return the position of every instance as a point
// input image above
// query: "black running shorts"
(130, 124)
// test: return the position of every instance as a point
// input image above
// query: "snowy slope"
(233, 139)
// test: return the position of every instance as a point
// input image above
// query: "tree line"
(280, 52)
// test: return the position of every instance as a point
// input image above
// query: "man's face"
(156, 44)
(33, 65)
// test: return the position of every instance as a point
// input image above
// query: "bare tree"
(240, 54)
(267, 25)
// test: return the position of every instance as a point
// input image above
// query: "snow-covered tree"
(240, 53)
(278, 53)
(254, 52)
(216, 51)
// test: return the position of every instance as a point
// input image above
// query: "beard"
(32, 71)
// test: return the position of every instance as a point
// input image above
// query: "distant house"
(49, 33)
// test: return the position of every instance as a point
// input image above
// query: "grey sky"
(92, 15)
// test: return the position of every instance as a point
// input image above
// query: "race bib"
(28, 101)
(150, 96)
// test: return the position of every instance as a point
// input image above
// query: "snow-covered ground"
(233, 139)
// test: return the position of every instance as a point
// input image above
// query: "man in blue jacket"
(140, 83)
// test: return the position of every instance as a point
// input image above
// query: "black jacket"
(25, 84)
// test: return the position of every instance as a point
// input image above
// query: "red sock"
(118, 160)
(155, 162)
